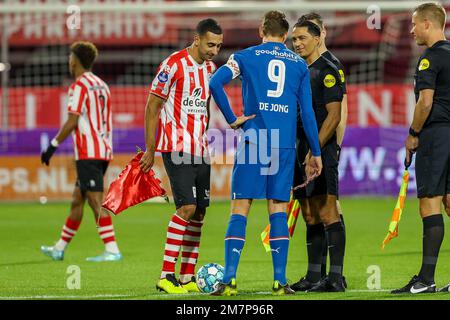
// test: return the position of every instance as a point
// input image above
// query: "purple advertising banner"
(372, 162)
(371, 159)
(31, 142)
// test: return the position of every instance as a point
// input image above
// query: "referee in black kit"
(429, 136)
(319, 198)
(315, 232)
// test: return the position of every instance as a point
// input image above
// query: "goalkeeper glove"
(47, 154)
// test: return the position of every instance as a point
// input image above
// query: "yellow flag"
(293, 210)
(398, 210)
(265, 238)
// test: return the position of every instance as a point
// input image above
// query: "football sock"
(323, 269)
(325, 251)
(315, 242)
(174, 240)
(433, 234)
(279, 245)
(234, 243)
(335, 235)
(106, 232)
(189, 252)
(68, 232)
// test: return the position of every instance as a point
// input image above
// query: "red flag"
(132, 187)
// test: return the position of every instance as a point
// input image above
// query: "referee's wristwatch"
(413, 133)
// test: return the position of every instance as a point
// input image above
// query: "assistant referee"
(429, 136)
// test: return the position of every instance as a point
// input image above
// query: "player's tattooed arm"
(152, 109)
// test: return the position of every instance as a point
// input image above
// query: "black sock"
(336, 245)
(433, 234)
(323, 269)
(345, 231)
(325, 252)
(315, 240)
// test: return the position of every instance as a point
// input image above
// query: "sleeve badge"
(341, 72)
(424, 64)
(329, 81)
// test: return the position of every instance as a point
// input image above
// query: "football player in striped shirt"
(90, 122)
(176, 120)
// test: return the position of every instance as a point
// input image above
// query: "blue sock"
(279, 244)
(234, 243)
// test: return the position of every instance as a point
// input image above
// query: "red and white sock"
(174, 240)
(106, 232)
(189, 254)
(68, 232)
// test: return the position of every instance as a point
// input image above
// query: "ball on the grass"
(209, 276)
(43, 199)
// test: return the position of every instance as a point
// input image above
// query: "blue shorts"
(262, 176)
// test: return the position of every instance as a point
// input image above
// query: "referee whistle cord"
(304, 184)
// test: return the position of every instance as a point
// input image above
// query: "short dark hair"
(432, 11)
(312, 16)
(313, 29)
(208, 25)
(275, 24)
(86, 52)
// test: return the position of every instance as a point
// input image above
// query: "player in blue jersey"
(275, 83)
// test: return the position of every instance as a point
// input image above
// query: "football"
(209, 276)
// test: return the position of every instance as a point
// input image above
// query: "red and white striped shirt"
(184, 84)
(89, 97)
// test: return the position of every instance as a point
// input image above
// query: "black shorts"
(190, 181)
(433, 162)
(328, 181)
(90, 174)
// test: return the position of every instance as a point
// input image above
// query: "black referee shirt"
(327, 54)
(433, 72)
(326, 87)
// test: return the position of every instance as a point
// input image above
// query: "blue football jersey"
(274, 81)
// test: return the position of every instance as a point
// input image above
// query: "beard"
(205, 57)
(420, 42)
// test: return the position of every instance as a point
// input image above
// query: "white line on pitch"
(152, 295)
(270, 292)
(70, 297)
(368, 290)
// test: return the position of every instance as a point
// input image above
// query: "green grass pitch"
(26, 273)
